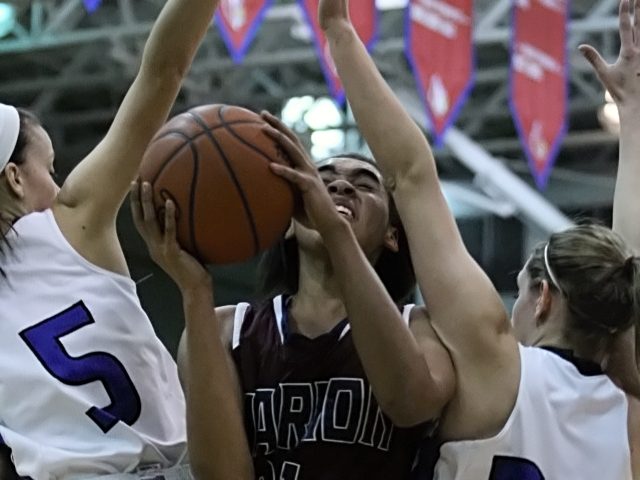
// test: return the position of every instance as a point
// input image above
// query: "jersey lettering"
(342, 410)
(44, 340)
(296, 406)
(266, 434)
(514, 468)
(266, 470)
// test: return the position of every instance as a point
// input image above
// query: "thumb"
(595, 59)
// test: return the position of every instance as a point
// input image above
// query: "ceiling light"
(7, 18)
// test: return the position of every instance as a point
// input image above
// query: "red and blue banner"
(91, 5)
(539, 75)
(364, 17)
(239, 22)
(439, 46)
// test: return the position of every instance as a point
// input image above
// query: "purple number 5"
(514, 468)
(44, 341)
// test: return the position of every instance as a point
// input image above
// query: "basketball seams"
(232, 175)
(204, 130)
(226, 125)
(192, 199)
(171, 156)
(234, 134)
(188, 141)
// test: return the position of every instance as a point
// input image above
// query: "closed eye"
(365, 187)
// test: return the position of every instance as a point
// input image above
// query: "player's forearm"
(395, 367)
(398, 145)
(218, 447)
(626, 202)
(176, 34)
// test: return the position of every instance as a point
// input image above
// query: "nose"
(341, 187)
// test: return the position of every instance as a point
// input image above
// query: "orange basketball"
(213, 162)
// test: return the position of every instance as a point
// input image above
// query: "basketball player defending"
(86, 388)
(545, 410)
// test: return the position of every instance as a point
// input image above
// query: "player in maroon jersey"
(318, 365)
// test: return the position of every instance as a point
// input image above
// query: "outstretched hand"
(163, 247)
(303, 174)
(333, 11)
(621, 79)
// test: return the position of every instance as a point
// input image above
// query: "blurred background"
(71, 61)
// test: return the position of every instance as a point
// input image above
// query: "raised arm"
(96, 188)
(622, 80)
(218, 447)
(466, 310)
(411, 375)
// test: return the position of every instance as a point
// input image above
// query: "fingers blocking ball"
(213, 163)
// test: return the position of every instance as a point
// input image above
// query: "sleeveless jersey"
(569, 422)
(309, 409)
(86, 387)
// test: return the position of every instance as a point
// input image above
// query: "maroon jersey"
(309, 409)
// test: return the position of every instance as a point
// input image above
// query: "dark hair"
(27, 121)
(279, 266)
(598, 276)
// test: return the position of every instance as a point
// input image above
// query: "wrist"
(630, 110)
(335, 228)
(197, 291)
(339, 29)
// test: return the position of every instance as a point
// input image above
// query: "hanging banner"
(239, 21)
(539, 76)
(91, 5)
(364, 17)
(439, 46)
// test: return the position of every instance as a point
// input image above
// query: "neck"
(579, 349)
(8, 216)
(11, 210)
(317, 305)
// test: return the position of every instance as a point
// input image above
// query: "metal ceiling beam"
(492, 176)
(48, 39)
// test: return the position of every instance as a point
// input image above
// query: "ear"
(391, 239)
(543, 303)
(14, 179)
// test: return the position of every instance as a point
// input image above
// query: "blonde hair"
(597, 274)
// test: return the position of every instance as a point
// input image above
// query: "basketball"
(213, 163)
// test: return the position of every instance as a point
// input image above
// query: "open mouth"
(347, 212)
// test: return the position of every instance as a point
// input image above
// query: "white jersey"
(86, 387)
(564, 425)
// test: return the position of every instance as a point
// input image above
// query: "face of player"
(359, 194)
(39, 187)
(523, 316)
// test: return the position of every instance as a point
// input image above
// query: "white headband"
(554, 281)
(9, 129)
